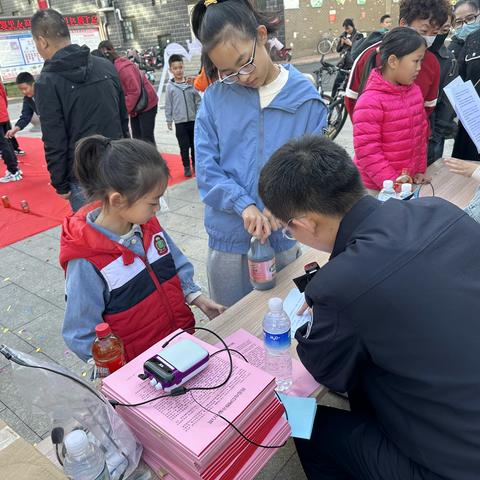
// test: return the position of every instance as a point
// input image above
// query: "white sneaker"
(18, 171)
(11, 177)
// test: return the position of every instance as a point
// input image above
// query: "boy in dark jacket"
(26, 84)
(394, 321)
(77, 95)
(181, 106)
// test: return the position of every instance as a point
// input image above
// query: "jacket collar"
(351, 221)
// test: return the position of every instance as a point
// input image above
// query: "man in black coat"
(395, 321)
(77, 95)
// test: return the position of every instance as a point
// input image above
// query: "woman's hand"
(460, 167)
(274, 222)
(255, 223)
(210, 308)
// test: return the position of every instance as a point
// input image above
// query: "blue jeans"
(77, 198)
(473, 208)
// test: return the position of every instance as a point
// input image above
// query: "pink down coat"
(390, 131)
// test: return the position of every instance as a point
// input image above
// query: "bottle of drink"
(107, 351)
(387, 191)
(406, 190)
(276, 338)
(84, 460)
(261, 265)
(404, 177)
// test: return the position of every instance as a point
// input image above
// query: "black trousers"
(143, 125)
(351, 446)
(6, 127)
(6, 149)
(185, 137)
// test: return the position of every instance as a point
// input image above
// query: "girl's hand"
(274, 222)
(420, 178)
(461, 167)
(255, 223)
(210, 308)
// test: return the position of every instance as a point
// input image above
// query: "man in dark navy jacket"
(395, 321)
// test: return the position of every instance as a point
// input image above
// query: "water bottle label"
(262, 272)
(277, 340)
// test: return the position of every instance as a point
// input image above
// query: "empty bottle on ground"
(277, 341)
(84, 460)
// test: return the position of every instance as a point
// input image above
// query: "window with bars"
(128, 30)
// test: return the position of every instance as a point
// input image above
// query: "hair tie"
(209, 2)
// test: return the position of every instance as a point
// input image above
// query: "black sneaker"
(187, 172)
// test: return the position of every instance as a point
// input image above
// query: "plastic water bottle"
(406, 190)
(277, 340)
(261, 265)
(387, 191)
(84, 460)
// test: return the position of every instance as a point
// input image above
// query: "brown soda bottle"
(107, 351)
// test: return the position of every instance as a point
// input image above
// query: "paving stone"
(277, 462)
(41, 246)
(12, 339)
(183, 224)
(29, 272)
(194, 248)
(200, 274)
(53, 293)
(186, 191)
(18, 306)
(195, 210)
(174, 203)
(54, 232)
(9, 417)
(292, 470)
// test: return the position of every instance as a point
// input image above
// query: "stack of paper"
(183, 439)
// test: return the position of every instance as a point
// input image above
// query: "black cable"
(232, 350)
(427, 183)
(236, 428)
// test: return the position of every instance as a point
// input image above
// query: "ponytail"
(213, 19)
(130, 167)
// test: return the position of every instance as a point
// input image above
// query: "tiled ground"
(32, 302)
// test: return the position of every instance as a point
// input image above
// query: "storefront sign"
(24, 23)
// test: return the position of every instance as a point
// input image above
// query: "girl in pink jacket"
(390, 129)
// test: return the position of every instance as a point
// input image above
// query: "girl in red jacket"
(390, 129)
(121, 266)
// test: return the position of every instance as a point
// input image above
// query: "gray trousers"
(228, 278)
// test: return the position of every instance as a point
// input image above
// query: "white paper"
(291, 305)
(466, 103)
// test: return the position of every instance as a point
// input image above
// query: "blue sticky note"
(301, 414)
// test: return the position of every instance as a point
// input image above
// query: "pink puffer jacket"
(390, 131)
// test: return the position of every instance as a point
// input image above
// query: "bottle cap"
(76, 443)
(275, 304)
(406, 188)
(387, 184)
(102, 330)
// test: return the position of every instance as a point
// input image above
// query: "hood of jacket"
(80, 240)
(376, 82)
(180, 86)
(72, 62)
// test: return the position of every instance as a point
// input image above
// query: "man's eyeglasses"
(468, 20)
(246, 69)
(286, 229)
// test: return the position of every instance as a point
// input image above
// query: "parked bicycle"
(278, 51)
(327, 44)
(337, 112)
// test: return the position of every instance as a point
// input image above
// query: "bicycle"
(327, 44)
(337, 112)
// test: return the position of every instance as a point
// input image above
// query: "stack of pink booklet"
(184, 440)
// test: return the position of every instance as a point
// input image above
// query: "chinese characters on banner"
(24, 23)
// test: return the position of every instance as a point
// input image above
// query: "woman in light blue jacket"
(254, 108)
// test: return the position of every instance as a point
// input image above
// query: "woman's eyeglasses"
(246, 69)
(468, 20)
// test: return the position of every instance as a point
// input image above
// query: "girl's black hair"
(128, 166)
(219, 20)
(399, 41)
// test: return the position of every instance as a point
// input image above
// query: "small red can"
(25, 207)
(6, 201)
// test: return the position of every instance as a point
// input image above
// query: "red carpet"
(47, 209)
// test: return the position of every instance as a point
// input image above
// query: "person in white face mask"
(465, 22)
(469, 68)
(426, 17)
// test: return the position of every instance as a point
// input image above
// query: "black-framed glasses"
(468, 20)
(246, 69)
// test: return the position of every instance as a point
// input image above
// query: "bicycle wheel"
(337, 116)
(324, 46)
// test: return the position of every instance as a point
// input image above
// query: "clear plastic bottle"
(277, 340)
(107, 351)
(84, 460)
(261, 265)
(406, 190)
(387, 191)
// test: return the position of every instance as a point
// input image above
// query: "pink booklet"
(249, 345)
(179, 418)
